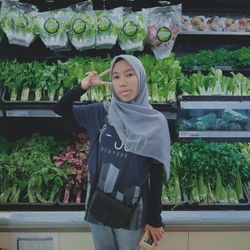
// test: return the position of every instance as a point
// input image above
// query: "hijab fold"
(142, 129)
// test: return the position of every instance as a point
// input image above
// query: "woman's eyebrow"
(130, 69)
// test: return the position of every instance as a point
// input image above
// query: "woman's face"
(124, 80)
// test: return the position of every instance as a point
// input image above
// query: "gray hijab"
(142, 129)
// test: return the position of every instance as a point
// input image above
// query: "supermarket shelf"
(50, 113)
(214, 33)
(31, 113)
(73, 221)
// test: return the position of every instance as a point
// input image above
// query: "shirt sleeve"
(155, 192)
(64, 106)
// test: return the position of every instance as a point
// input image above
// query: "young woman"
(133, 150)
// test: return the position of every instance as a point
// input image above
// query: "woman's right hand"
(94, 79)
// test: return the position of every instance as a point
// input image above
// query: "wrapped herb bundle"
(52, 28)
(109, 24)
(134, 31)
(82, 26)
(18, 22)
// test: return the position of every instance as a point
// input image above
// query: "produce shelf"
(30, 113)
(29, 206)
(216, 33)
(226, 70)
(73, 220)
(43, 108)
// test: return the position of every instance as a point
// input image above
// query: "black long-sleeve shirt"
(64, 107)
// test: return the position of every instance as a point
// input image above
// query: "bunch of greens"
(109, 24)
(27, 174)
(52, 28)
(242, 56)
(220, 57)
(212, 172)
(172, 192)
(215, 84)
(18, 22)
(134, 31)
(163, 76)
(82, 26)
(4, 145)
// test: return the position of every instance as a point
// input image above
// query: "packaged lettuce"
(134, 30)
(52, 28)
(109, 24)
(163, 25)
(82, 26)
(18, 22)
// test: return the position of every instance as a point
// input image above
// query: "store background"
(228, 229)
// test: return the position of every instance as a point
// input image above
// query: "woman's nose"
(123, 83)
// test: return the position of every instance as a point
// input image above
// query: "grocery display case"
(186, 222)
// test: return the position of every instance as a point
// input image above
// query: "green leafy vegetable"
(52, 28)
(109, 24)
(18, 22)
(134, 31)
(82, 26)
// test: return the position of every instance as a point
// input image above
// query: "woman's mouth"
(125, 93)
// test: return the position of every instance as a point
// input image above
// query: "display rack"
(37, 117)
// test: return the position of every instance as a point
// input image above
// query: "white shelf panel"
(31, 113)
(214, 33)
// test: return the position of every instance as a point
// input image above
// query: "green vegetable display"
(220, 57)
(215, 84)
(211, 172)
(134, 31)
(82, 26)
(52, 28)
(164, 78)
(27, 173)
(220, 119)
(18, 22)
(109, 24)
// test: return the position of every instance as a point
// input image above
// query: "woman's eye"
(129, 75)
(115, 77)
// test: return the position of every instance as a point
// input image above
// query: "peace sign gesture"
(94, 79)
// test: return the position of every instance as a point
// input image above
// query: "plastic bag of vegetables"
(109, 24)
(134, 30)
(82, 26)
(52, 28)
(163, 25)
(18, 22)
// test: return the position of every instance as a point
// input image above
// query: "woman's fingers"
(99, 82)
(155, 240)
(104, 73)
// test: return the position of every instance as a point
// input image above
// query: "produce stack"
(74, 156)
(208, 173)
(27, 173)
(37, 169)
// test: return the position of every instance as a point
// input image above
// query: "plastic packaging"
(134, 31)
(163, 25)
(186, 23)
(109, 24)
(82, 26)
(199, 23)
(230, 25)
(52, 28)
(18, 22)
(215, 24)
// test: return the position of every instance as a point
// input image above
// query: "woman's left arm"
(154, 221)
